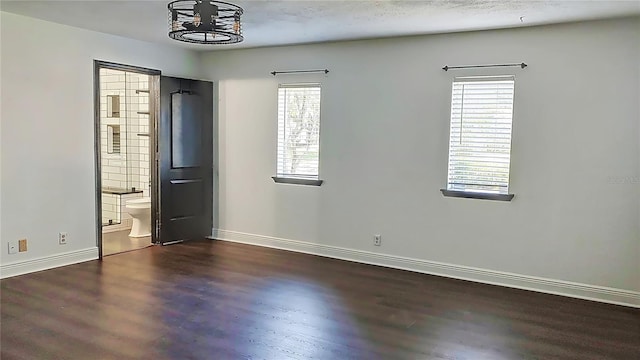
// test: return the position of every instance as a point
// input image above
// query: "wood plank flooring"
(220, 300)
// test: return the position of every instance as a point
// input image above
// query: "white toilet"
(140, 211)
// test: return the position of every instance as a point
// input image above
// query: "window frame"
(290, 178)
(478, 194)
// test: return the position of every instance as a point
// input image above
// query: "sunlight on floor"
(119, 241)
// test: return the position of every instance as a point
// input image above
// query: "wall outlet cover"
(62, 238)
(13, 247)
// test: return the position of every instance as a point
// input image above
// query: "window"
(298, 134)
(480, 137)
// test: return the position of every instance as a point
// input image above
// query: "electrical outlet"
(62, 238)
(13, 247)
(377, 240)
(22, 245)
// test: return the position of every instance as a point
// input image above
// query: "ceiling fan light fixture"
(205, 22)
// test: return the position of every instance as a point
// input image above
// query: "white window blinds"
(298, 130)
(480, 136)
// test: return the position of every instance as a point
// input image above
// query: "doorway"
(126, 132)
(154, 152)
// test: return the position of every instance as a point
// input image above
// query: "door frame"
(154, 113)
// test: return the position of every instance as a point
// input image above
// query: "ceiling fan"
(205, 22)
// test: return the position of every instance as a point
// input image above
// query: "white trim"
(526, 282)
(48, 262)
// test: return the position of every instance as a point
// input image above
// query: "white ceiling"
(268, 23)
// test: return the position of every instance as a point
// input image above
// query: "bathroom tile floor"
(119, 241)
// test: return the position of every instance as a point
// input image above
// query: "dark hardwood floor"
(219, 300)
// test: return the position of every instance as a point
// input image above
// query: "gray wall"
(47, 140)
(384, 142)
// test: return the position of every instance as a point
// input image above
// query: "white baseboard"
(48, 262)
(550, 286)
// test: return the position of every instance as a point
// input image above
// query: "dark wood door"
(186, 159)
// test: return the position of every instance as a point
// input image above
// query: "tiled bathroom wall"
(138, 130)
(110, 209)
(124, 130)
(112, 84)
(124, 137)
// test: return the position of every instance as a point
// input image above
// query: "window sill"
(476, 195)
(297, 181)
